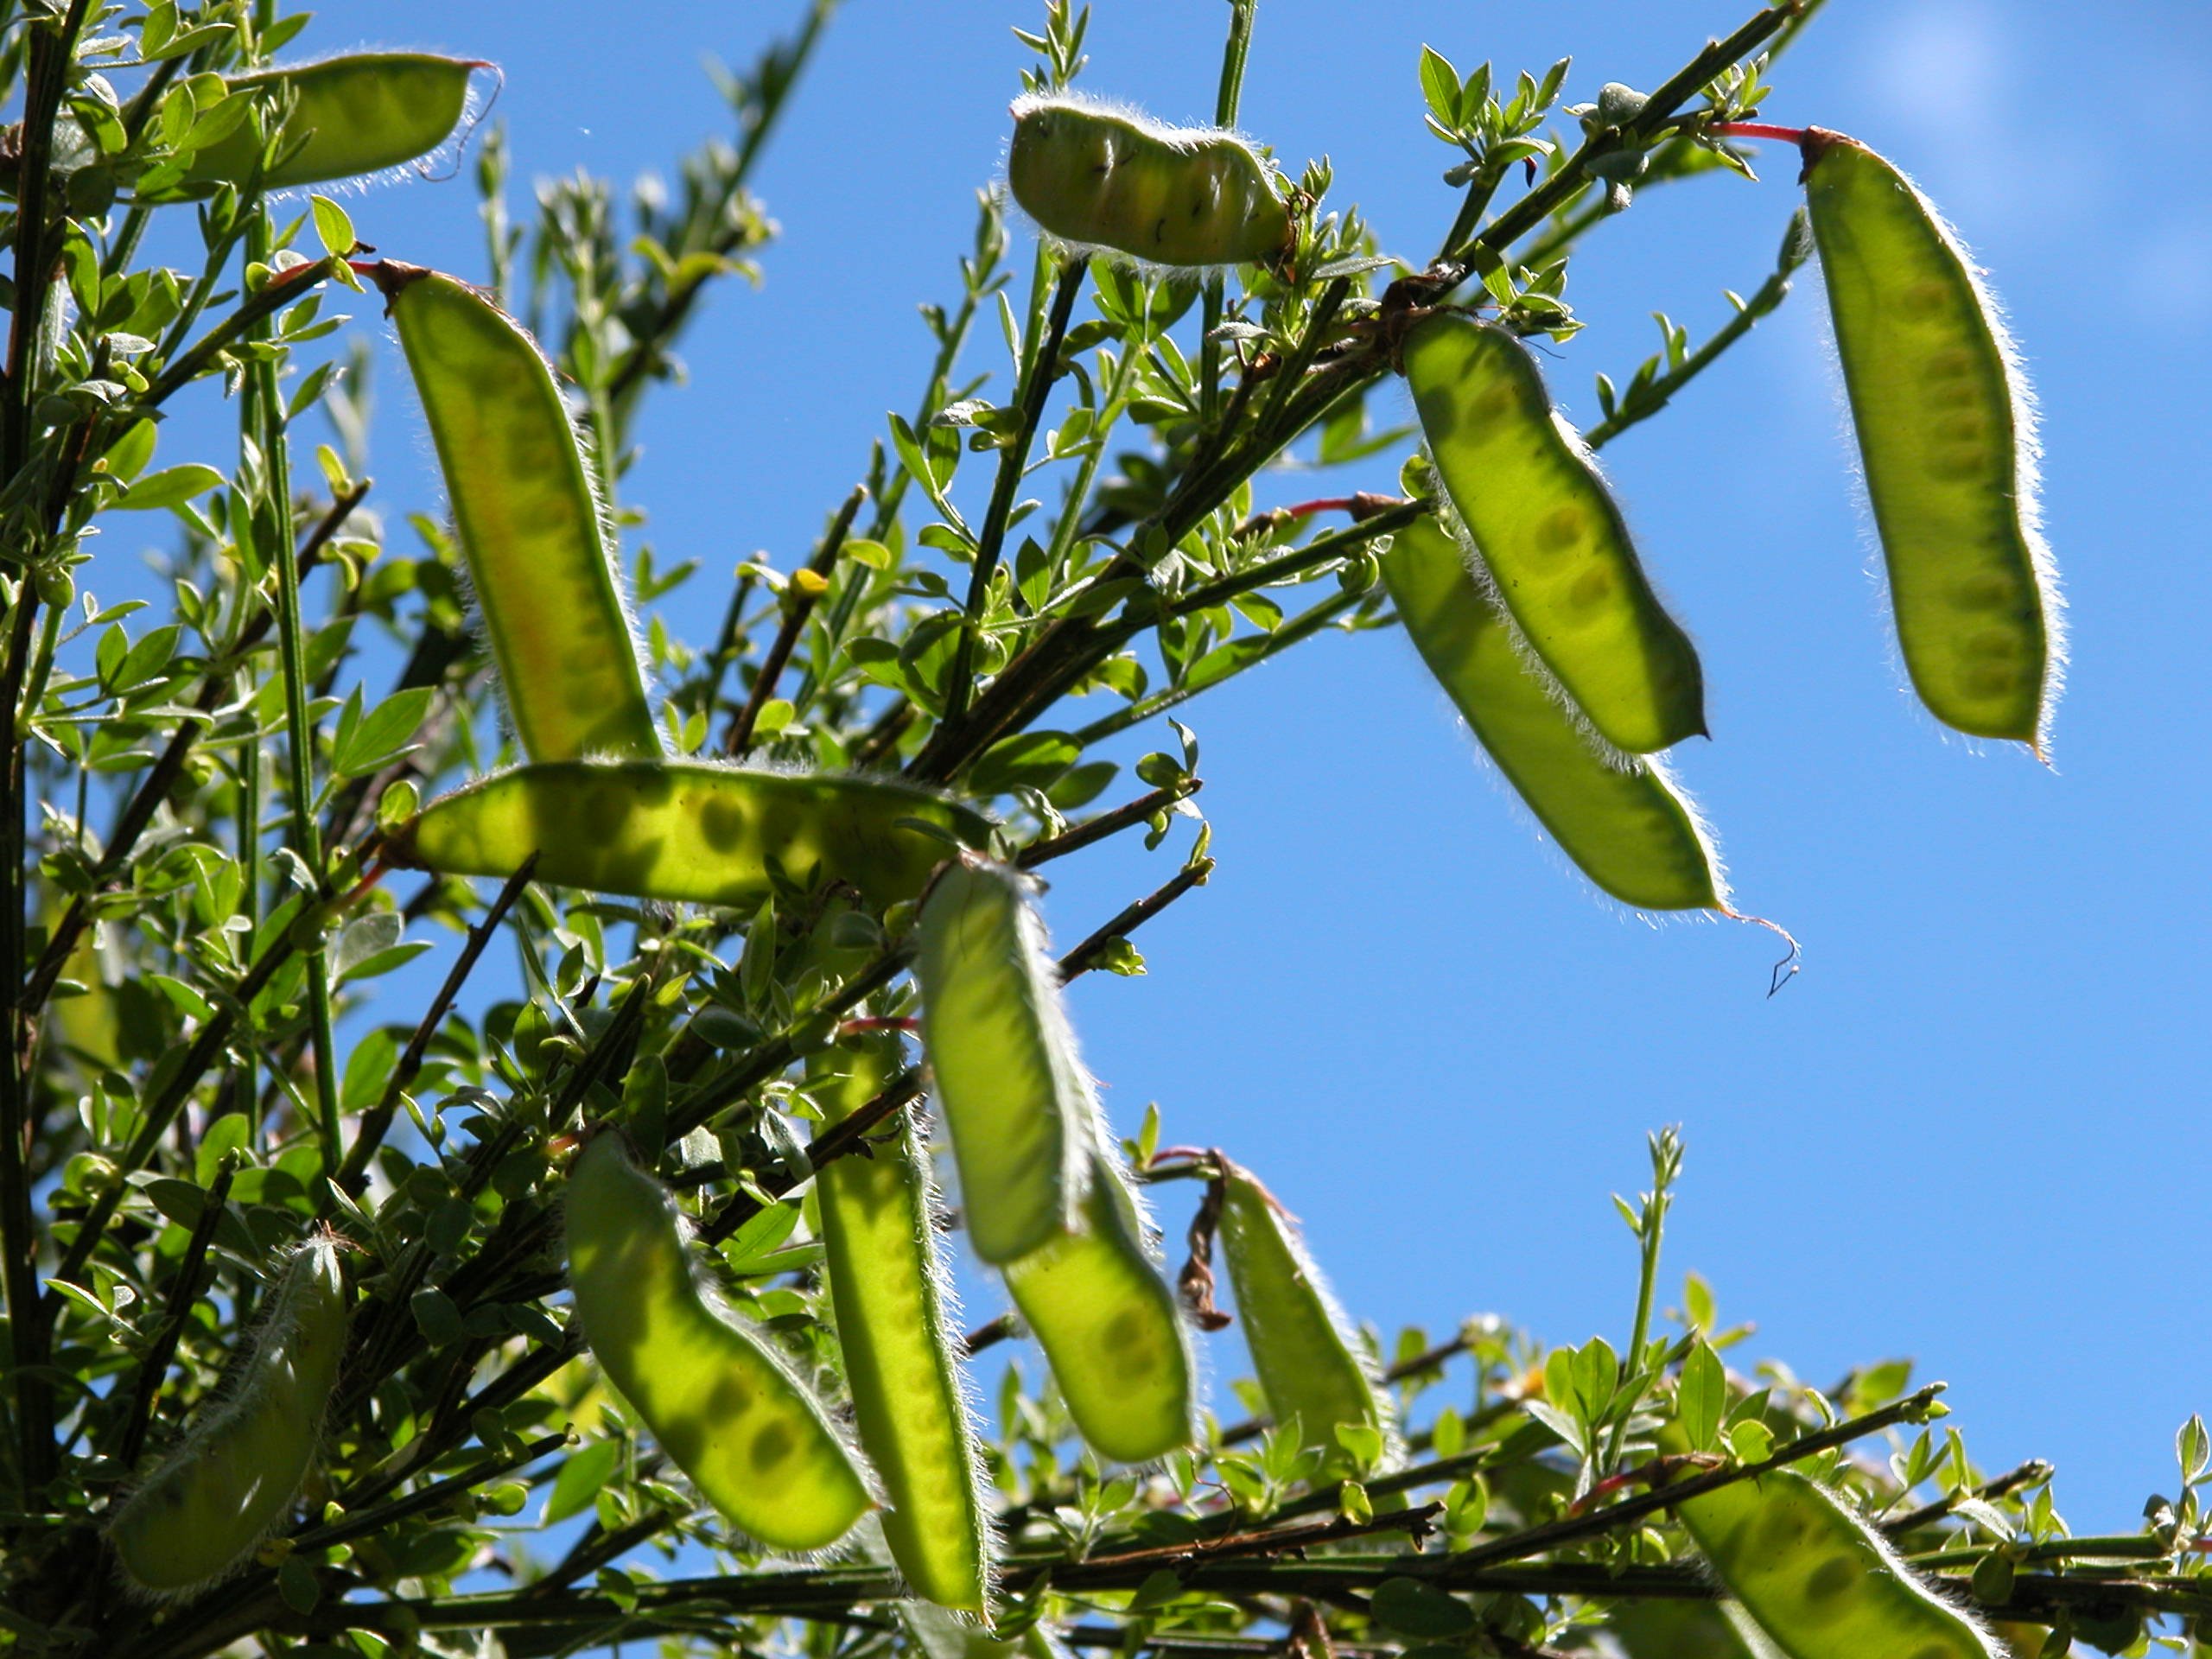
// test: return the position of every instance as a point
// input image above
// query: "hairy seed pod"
(1816, 1580)
(1620, 817)
(198, 1516)
(1551, 535)
(1098, 176)
(722, 1404)
(889, 1288)
(1946, 430)
(1002, 1060)
(1311, 1364)
(545, 578)
(685, 831)
(1109, 1326)
(351, 114)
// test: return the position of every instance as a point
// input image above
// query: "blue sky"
(1970, 1132)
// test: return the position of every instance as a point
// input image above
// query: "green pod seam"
(349, 115)
(198, 1516)
(892, 1299)
(724, 1406)
(1099, 176)
(1110, 1326)
(1003, 1066)
(1816, 1581)
(686, 830)
(1311, 1363)
(1620, 817)
(1551, 536)
(1946, 429)
(544, 573)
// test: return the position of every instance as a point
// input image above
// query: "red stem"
(1757, 129)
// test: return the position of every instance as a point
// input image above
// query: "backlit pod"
(544, 576)
(889, 1289)
(351, 115)
(1946, 434)
(1618, 816)
(1108, 1325)
(1311, 1364)
(1551, 536)
(721, 1403)
(1816, 1581)
(198, 1516)
(684, 830)
(1003, 1066)
(1099, 176)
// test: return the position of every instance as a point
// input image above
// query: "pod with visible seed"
(685, 831)
(722, 1404)
(198, 1516)
(1816, 1580)
(1003, 1066)
(1550, 535)
(1946, 436)
(545, 580)
(892, 1300)
(1618, 816)
(1108, 1325)
(351, 114)
(1099, 176)
(1311, 1364)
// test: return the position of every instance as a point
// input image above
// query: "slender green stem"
(1301, 627)
(1091, 831)
(1234, 52)
(1643, 404)
(1042, 350)
(183, 1297)
(799, 605)
(298, 726)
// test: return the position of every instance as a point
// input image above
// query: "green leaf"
(1700, 1398)
(382, 735)
(1036, 760)
(581, 1478)
(332, 227)
(169, 487)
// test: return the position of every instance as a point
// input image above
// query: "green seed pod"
(1109, 1326)
(893, 1302)
(722, 1404)
(198, 1517)
(351, 115)
(1311, 1364)
(1002, 1061)
(1099, 176)
(1946, 429)
(1620, 817)
(685, 831)
(1816, 1581)
(545, 579)
(1551, 535)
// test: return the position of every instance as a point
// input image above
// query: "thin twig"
(1084, 957)
(1076, 837)
(797, 606)
(352, 1175)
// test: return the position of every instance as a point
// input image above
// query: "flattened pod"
(720, 1401)
(1103, 177)
(351, 115)
(683, 831)
(198, 1516)
(887, 1285)
(1618, 816)
(1002, 1062)
(1310, 1366)
(1816, 1581)
(544, 576)
(1551, 535)
(1108, 1325)
(1946, 434)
